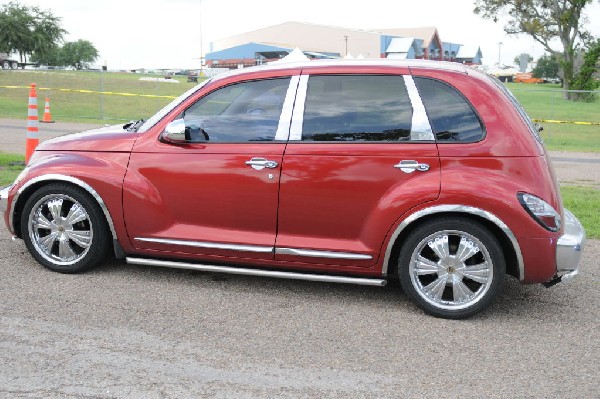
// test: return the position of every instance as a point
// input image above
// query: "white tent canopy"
(296, 55)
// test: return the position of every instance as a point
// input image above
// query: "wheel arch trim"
(464, 209)
(69, 179)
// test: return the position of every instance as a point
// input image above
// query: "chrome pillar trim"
(569, 247)
(456, 209)
(421, 129)
(259, 272)
(322, 254)
(298, 115)
(210, 245)
(4, 198)
(68, 179)
(285, 119)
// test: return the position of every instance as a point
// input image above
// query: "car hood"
(105, 139)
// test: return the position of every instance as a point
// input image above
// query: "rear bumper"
(569, 248)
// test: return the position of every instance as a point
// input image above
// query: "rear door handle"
(261, 163)
(409, 166)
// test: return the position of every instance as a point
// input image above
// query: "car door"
(215, 194)
(361, 154)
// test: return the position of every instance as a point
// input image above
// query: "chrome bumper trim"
(258, 272)
(569, 248)
(4, 198)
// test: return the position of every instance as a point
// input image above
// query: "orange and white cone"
(47, 118)
(32, 125)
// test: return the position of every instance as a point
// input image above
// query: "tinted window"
(452, 117)
(356, 108)
(247, 111)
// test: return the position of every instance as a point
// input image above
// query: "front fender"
(100, 174)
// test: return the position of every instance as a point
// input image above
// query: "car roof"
(375, 62)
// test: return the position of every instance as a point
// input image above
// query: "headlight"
(541, 211)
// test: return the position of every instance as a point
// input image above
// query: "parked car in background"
(349, 171)
(527, 78)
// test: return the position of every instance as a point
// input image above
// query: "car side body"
(272, 183)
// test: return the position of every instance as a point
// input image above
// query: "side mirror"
(175, 132)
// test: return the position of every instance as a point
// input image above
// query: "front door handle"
(409, 166)
(261, 163)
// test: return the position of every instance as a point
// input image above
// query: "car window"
(452, 117)
(357, 108)
(247, 111)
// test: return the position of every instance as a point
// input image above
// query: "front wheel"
(64, 229)
(452, 268)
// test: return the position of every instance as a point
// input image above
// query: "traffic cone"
(32, 125)
(47, 118)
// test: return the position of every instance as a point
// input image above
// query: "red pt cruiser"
(339, 171)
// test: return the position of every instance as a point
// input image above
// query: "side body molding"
(455, 209)
(69, 179)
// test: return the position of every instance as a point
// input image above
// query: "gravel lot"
(143, 332)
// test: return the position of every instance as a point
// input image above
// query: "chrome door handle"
(261, 163)
(409, 166)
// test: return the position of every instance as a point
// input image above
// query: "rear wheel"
(14, 65)
(452, 268)
(5, 65)
(64, 229)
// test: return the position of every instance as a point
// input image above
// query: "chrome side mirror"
(175, 132)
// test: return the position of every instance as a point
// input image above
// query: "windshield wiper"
(133, 125)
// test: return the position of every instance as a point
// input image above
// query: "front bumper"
(4, 198)
(569, 248)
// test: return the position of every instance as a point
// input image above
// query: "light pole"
(346, 39)
(499, 51)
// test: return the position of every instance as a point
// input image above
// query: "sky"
(132, 34)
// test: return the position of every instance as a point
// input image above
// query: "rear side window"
(452, 117)
(357, 108)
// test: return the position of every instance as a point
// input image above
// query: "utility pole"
(346, 39)
(499, 51)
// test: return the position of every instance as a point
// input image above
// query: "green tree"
(547, 67)
(25, 30)
(545, 21)
(584, 80)
(78, 54)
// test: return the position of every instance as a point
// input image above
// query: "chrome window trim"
(420, 128)
(210, 245)
(322, 254)
(455, 209)
(285, 118)
(298, 114)
(68, 179)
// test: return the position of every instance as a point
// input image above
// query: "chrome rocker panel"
(258, 272)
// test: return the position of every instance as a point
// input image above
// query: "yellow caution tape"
(567, 122)
(110, 93)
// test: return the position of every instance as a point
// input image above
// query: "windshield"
(163, 112)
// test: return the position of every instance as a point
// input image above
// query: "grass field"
(546, 102)
(87, 107)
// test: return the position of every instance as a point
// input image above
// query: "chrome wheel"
(451, 270)
(452, 267)
(60, 229)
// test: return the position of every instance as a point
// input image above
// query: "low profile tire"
(64, 228)
(452, 268)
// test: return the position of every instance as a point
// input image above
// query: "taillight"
(541, 211)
